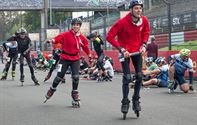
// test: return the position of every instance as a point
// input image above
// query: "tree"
(32, 21)
(7, 20)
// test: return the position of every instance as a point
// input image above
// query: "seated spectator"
(161, 73)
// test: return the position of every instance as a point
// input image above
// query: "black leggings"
(29, 62)
(63, 67)
(100, 62)
(137, 63)
(13, 59)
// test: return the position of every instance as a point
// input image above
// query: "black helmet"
(22, 30)
(159, 60)
(76, 21)
(152, 39)
(82, 57)
(16, 33)
(149, 60)
(92, 35)
(135, 2)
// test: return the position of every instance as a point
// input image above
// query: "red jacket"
(129, 35)
(71, 45)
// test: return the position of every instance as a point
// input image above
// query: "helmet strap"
(135, 17)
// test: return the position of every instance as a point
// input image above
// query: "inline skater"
(71, 41)
(132, 33)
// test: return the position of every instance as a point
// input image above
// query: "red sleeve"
(59, 38)
(85, 45)
(113, 33)
(146, 31)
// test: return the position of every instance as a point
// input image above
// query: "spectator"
(152, 49)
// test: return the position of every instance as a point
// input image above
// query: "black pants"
(137, 63)
(100, 62)
(29, 62)
(63, 67)
(12, 60)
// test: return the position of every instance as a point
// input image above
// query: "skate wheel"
(124, 116)
(137, 113)
(170, 91)
(21, 83)
(76, 104)
(45, 100)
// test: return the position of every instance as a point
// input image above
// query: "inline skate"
(125, 107)
(49, 94)
(76, 100)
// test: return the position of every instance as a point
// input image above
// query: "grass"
(192, 45)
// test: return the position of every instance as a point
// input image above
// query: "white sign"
(155, 24)
(123, 13)
(176, 21)
(51, 33)
(85, 28)
(34, 36)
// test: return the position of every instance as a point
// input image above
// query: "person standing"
(12, 48)
(152, 49)
(97, 43)
(24, 48)
(132, 33)
(72, 41)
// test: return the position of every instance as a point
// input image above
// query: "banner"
(51, 33)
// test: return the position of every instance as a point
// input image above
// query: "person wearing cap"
(130, 34)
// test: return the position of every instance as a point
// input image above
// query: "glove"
(124, 52)
(49, 41)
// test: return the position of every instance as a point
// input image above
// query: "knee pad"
(75, 78)
(126, 78)
(22, 64)
(139, 76)
(29, 64)
(13, 63)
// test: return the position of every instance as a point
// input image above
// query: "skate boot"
(76, 99)
(100, 79)
(125, 107)
(22, 79)
(136, 106)
(49, 94)
(191, 88)
(47, 77)
(13, 75)
(4, 76)
(171, 86)
(35, 80)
